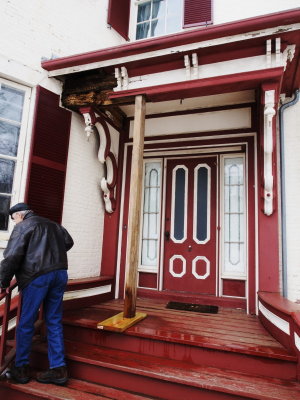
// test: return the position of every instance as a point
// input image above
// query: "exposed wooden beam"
(136, 183)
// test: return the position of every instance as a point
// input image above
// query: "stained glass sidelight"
(234, 216)
(151, 214)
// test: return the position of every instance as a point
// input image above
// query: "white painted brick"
(83, 205)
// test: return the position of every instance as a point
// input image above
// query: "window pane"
(158, 9)
(234, 216)
(9, 138)
(151, 214)
(4, 207)
(179, 209)
(11, 103)
(144, 12)
(157, 27)
(142, 30)
(6, 175)
(202, 191)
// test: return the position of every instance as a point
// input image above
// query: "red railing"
(10, 309)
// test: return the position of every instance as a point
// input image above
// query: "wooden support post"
(136, 184)
(124, 320)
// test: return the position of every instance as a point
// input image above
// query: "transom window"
(158, 17)
(12, 99)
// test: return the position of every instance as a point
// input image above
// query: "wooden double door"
(190, 229)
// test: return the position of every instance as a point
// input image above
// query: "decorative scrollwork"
(96, 123)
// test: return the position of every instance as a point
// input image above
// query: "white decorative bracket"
(122, 78)
(279, 58)
(288, 54)
(97, 123)
(269, 113)
(191, 66)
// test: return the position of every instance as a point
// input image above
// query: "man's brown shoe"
(20, 374)
(58, 376)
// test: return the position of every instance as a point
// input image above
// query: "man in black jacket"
(37, 255)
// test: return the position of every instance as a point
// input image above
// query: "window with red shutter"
(197, 12)
(48, 160)
(118, 16)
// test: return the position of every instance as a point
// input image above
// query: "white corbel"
(288, 54)
(269, 113)
(98, 125)
(122, 78)
(89, 128)
(195, 65)
(277, 51)
(269, 53)
(187, 67)
(125, 80)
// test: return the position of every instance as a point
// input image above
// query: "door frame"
(159, 148)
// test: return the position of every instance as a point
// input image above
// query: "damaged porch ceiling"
(194, 103)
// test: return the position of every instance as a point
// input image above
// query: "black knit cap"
(18, 207)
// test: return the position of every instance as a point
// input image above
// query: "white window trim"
(223, 274)
(133, 21)
(208, 216)
(185, 204)
(150, 268)
(20, 174)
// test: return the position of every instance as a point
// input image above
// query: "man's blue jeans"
(49, 290)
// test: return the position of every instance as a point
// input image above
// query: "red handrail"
(6, 358)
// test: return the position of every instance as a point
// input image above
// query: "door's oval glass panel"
(202, 204)
(179, 204)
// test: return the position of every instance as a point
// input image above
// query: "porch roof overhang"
(235, 42)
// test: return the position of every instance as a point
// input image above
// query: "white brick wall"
(292, 164)
(83, 205)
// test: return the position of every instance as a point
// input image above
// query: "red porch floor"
(228, 330)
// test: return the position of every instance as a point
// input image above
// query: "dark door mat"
(174, 305)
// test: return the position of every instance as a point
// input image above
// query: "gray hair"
(23, 212)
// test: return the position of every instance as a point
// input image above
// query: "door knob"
(167, 235)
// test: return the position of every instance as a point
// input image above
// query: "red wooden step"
(169, 379)
(230, 340)
(74, 390)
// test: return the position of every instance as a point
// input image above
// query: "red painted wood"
(188, 282)
(232, 287)
(74, 390)
(211, 32)
(166, 295)
(268, 228)
(112, 220)
(48, 158)
(118, 16)
(197, 12)
(174, 379)
(147, 280)
(204, 87)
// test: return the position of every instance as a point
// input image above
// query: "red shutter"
(118, 16)
(197, 12)
(48, 160)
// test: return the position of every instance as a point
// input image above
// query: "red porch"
(169, 355)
